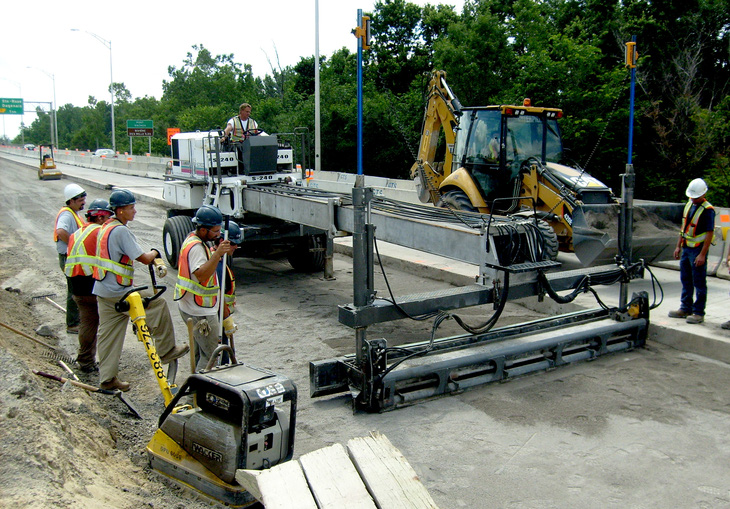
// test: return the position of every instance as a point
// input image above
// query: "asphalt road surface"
(647, 428)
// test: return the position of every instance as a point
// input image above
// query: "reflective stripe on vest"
(81, 253)
(238, 130)
(688, 231)
(79, 222)
(123, 269)
(230, 297)
(206, 295)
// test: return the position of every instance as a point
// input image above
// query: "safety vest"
(122, 269)
(79, 222)
(206, 294)
(230, 294)
(81, 253)
(238, 130)
(689, 230)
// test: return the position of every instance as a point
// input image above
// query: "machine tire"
(309, 255)
(173, 235)
(456, 199)
(550, 239)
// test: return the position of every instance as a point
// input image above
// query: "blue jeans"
(694, 281)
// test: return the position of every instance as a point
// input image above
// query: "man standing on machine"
(197, 290)
(67, 222)
(116, 251)
(80, 261)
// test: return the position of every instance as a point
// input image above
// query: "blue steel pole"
(359, 96)
(631, 106)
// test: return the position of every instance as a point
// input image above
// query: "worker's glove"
(229, 327)
(203, 327)
(160, 267)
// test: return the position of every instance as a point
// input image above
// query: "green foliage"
(560, 53)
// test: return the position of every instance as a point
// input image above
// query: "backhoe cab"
(509, 160)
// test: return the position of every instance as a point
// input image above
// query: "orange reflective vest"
(206, 294)
(691, 239)
(123, 269)
(81, 253)
(79, 222)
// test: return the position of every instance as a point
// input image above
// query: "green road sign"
(139, 124)
(11, 106)
(139, 128)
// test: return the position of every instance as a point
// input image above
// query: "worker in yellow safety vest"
(698, 225)
(242, 125)
(80, 260)
(67, 222)
(198, 283)
(117, 248)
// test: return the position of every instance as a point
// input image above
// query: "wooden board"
(280, 487)
(387, 474)
(371, 474)
(334, 481)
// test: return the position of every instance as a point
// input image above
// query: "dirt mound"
(61, 446)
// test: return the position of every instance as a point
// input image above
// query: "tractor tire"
(456, 199)
(173, 235)
(309, 254)
(550, 241)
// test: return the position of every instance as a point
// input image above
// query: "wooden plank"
(280, 487)
(334, 481)
(389, 477)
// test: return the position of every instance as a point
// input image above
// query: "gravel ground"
(646, 428)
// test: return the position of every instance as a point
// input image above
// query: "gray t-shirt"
(121, 242)
(66, 221)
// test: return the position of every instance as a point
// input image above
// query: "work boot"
(74, 329)
(725, 326)
(680, 313)
(89, 368)
(175, 353)
(695, 319)
(114, 384)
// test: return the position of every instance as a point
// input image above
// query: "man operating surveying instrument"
(198, 287)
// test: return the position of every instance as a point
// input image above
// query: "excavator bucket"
(655, 231)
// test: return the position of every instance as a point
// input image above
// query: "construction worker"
(80, 260)
(198, 288)
(67, 222)
(242, 125)
(698, 224)
(117, 248)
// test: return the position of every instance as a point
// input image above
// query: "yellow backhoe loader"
(508, 160)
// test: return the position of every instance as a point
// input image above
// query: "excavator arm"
(443, 110)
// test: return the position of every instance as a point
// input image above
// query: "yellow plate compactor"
(242, 418)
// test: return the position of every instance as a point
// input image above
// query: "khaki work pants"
(113, 329)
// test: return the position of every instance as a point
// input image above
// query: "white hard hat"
(72, 191)
(696, 188)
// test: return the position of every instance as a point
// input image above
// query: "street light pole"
(108, 44)
(54, 108)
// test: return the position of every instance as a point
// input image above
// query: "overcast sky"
(148, 36)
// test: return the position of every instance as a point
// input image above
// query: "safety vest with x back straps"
(123, 268)
(81, 253)
(689, 228)
(206, 294)
(78, 220)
